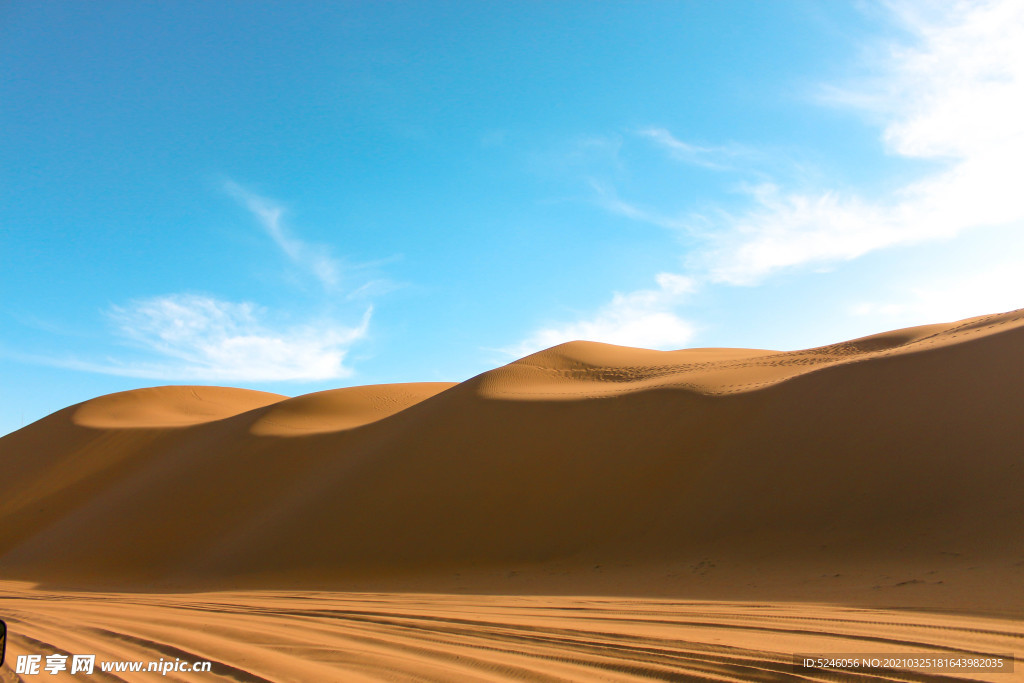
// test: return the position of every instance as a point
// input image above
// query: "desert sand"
(589, 512)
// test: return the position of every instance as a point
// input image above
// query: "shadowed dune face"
(890, 464)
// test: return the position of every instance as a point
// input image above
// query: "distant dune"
(883, 470)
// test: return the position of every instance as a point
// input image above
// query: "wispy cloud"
(315, 259)
(643, 318)
(186, 336)
(718, 158)
(203, 338)
(609, 200)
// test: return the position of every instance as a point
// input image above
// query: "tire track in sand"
(294, 636)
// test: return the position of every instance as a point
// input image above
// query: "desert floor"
(326, 636)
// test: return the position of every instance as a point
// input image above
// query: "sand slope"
(883, 470)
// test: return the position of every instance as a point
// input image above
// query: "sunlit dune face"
(169, 406)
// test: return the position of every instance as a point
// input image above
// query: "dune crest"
(171, 406)
(589, 369)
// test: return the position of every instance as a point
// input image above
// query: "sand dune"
(884, 471)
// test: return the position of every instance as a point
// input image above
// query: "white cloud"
(313, 258)
(996, 288)
(203, 338)
(955, 98)
(787, 230)
(643, 318)
(958, 95)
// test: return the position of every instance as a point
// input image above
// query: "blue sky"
(300, 196)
